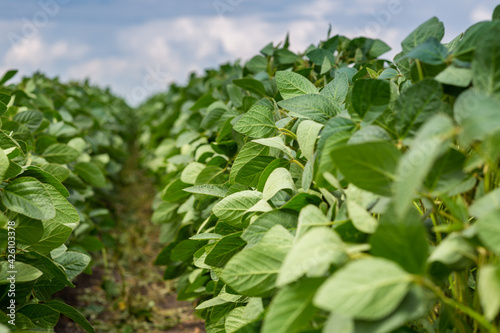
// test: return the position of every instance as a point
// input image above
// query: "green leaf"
(90, 173)
(337, 89)
(47, 178)
(367, 289)
(264, 175)
(58, 171)
(224, 249)
(430, 52)
(307, 134)
(488, 228)
(417, 162)
(232, 208)
(71, 313)
(291, 308)
(454, 251)
(191, 172)
(280, 179)
(357, 209)
(249, 151)
(251, 85)
(402, 240)
(312, 254)
(416, 104)
(60, 153)
(486, 64)
(54, 235)
(28, 196)
(312, 106)
(275, 142)
(210, 190)
(7, 76)
(311, 216)
(477, 113)
(254, 270)
(65, 213)
(4, 164)
(291, 84)
(73, 263)
(255, 231)
(251, 172)
(258, 122)
(38, 316)
(370, 166)
(30, 118)
(430, 28)
(488, 284)
(370, 98)
(455, 76)
(175, 191)
(25, 272)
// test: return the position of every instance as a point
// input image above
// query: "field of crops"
(328, 191)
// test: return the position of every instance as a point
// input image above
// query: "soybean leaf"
(416, 104)
(291, 308)
(249, 151)
(255, 231)
(488, 228)
(367, 289)
(430, 28)
(38, 316)
(71, 313)
(90, 173)
(477, 113)
(25, 272)
(430, 52)
(60, 153)
(254, 270)
(369, 166)
(291, 84)
(370, 98)
(232, 208)
(211, 190)
(251, 85)
(47, 178)
(314, 107)
(417, 162)
(312, 254)
(280, 179)
(402, 240)
(28, 196)
(275, 142)
(224, 249)
(258, 122)
(486, 63)
(337, 89)
(307, 134)
(489, 290)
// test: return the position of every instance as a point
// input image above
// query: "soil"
(126, 292)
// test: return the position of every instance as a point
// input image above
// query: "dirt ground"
(126, 292)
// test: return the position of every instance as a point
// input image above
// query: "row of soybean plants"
(334, 190)
(60, 145)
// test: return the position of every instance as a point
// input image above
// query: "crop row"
(334, 190)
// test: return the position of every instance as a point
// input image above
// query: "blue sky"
(137, 46)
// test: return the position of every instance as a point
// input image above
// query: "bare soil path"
(126, 292)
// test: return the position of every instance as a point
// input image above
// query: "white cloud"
(33, 54)
(480, 14)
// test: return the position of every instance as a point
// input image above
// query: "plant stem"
(458, 306)
(420, 71)
(298, 163)
(288, 133)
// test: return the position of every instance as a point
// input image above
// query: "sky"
(137, 47)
